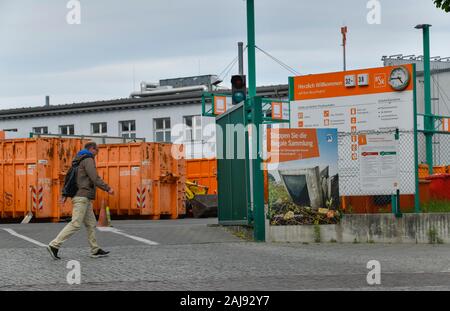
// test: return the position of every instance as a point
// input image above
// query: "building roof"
(438, 64)
(275, 91)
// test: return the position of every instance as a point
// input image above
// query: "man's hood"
(83, 153)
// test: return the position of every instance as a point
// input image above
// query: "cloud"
(41, 54)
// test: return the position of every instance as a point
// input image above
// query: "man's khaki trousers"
(82, 212)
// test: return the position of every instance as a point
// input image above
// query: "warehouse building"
(440, 102)
(440, 81)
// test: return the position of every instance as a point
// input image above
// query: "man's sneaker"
(100, 253)
(53, 252)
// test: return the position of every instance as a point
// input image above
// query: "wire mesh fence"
(351, 170)
(367, 180)
(441, 149)
(356, 199)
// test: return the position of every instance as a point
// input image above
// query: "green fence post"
(416, 146)
(429, 120)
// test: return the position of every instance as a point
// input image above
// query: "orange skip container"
(32, 174)
(204, 172)
(148, 181)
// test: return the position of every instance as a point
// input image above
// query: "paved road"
(193, 254)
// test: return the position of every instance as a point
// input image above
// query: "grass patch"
(240, 234)
(317, 237)
(433, 237)
(436, 207)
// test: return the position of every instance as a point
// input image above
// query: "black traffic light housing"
(238, 89)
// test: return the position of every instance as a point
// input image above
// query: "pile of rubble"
(288, 213)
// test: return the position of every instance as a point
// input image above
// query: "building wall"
(440, 84)
(143, 117)
(440, 94)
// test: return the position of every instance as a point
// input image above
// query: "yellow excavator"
(200, 204)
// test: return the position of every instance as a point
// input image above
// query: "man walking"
(87, 180)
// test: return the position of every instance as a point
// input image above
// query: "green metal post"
(246, 110)
(259, 228)
(257, 119)
(251, 48)
(291, 97)
(203, 105)
(429, 120)
(394, 203)
(291, 89)
(416, 146)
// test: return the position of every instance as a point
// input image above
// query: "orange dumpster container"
(147, 180)
(32, 174)
(125, 168)
(204, 172)
(439, 170)
(372, 205)
(181, 186)
(169, 179)
(423, 171)
(424, 191)
(439, 187)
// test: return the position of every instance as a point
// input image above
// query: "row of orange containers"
(424, 172)
(147, 179)
(375, 204)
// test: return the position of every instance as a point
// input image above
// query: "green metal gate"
(232, 172)
(240, 178)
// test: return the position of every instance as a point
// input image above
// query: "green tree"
(443, 4)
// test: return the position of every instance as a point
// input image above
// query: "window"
(162, 130)
(40, 130)
(193, 128)
(99, 128)
(127, 129)
(67, 129)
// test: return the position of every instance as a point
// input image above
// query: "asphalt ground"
(195, 254)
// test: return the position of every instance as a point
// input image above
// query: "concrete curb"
(370, 228)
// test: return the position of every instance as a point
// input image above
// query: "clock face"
(399, 78)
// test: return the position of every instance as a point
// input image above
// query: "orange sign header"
(285, 145)
(350, 83)
(220, 104)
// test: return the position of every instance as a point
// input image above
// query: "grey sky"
(41, 54)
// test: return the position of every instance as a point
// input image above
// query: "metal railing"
(95, 138)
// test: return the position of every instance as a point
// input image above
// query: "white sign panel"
(379, 163)
(371, 101)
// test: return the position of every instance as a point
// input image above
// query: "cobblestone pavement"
(195, 255)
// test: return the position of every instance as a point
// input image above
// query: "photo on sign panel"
(303, 179)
